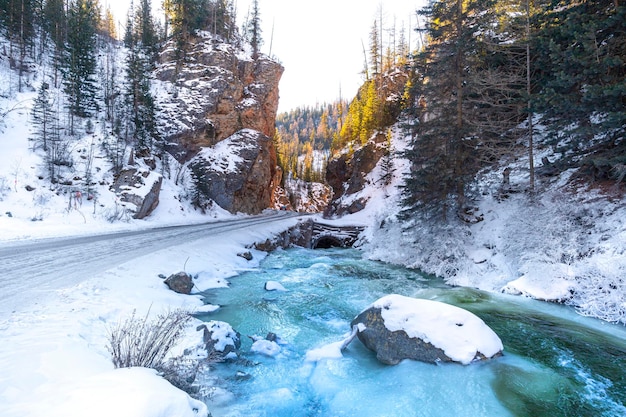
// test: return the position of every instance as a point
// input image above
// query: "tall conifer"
(80, 58)
(140, 39)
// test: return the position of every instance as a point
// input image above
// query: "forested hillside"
(328, 128)
(508, 152)
(308, 132)
(77, 93)
(494, 73)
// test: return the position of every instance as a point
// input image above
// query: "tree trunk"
(531, 156)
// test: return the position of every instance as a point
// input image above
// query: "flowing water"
(555, 362)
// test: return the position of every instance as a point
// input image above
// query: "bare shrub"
(181, 372)
(145, 342)
(5, 188)
(117, 213)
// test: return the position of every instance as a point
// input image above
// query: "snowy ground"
(54, 359)
(55, 320)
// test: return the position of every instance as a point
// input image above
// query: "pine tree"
(80, 59)
(44, 117)
(254, 29)
(183, 18)
(581, 61)
(375, 56)
(107, 25)
(442, 155)
(55, 25)
(387, 160)
(17, 18)
(139, 40)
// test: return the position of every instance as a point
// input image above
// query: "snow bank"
(459, 333)
(53, 353)
(128, 392)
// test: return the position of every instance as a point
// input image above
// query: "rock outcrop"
(219, 96)
(238, 172)
(213, 94)
(220, 338)
(138, 190)
(347, 175)
(398, 328)
(302, 196)
(348, 172)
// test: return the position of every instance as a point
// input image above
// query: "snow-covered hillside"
(567, 244)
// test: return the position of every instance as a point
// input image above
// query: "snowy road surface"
(41, 266)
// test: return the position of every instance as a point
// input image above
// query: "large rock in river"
(398, 328)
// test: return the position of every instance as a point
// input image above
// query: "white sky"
(319, 42)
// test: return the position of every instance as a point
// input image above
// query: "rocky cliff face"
(347, 174)
(219, 95)
(238, 172)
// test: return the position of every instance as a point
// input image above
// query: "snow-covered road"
(30, 270)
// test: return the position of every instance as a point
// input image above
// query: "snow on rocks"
(220, 337)
(274, 286)
(399, 327)
(533, 284)
(265, 347)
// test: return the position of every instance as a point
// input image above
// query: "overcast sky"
(319, 42)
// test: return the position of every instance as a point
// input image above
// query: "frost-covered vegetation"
(510, 154)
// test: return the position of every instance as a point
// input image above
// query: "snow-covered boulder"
(274, 286)
(399, 327)
(265, 347)
(180, 282)
(220, 337)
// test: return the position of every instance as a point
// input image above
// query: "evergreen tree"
(55, 26)
(17, 18)
(442, 155)
(80, 58)
(387, 161)
(139, 40)
(183, 18)
(107, 25)
(44, 117)
(254, 30)
(146, 27)
(375, 58)
(581, 78)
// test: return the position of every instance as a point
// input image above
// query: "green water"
(555, 362)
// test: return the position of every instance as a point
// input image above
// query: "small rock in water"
(265, 347)
(242, 376)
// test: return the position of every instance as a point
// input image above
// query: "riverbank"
(52, 351)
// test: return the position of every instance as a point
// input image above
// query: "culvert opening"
(327, 242)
